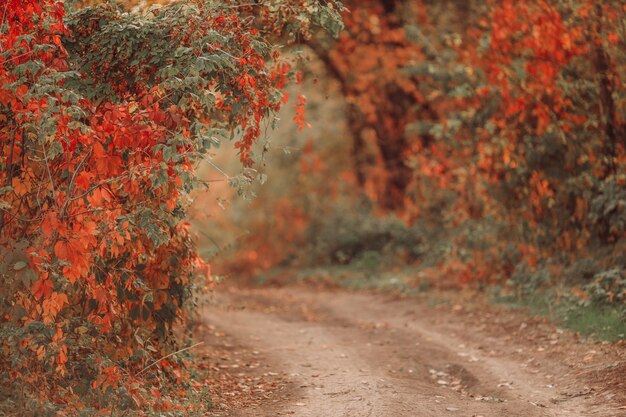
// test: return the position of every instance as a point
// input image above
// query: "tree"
(498, 126)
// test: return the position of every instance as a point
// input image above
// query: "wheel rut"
(353, 354)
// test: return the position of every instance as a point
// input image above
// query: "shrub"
(608, 287)
(607, 215)
(104, 115)
(345, 236)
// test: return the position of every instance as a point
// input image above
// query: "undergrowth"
(359, 251)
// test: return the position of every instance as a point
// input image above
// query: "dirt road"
(335, 353)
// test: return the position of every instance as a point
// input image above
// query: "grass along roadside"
(559, 305)
(601, 322)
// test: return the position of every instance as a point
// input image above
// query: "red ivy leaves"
(98, 164)
(299, 118)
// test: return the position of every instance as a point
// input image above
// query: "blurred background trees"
(489, 132)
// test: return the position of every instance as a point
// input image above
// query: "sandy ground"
(298, 351)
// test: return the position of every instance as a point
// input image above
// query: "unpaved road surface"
(335, 353)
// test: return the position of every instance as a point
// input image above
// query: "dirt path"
(345, 354)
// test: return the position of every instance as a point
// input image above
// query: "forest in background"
(454, 144)
(434, 144)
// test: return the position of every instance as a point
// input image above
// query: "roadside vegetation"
(104, 116)
(147, 151)
(454, 146)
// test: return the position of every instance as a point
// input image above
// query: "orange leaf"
(73, 251)
(42, 288)
(62, 358)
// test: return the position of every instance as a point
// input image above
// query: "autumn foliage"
(493, 129)
(104, 116)
(484, 145)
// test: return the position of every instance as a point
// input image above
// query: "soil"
(301, 351)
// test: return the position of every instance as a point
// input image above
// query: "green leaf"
(19, 265)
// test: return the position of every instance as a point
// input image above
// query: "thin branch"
(70, 188)
(218, 169)
(45, 156)
(168, 356)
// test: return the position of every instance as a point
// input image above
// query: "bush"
(344, 237)
(608, 287)
(104, 115)
(607, 215)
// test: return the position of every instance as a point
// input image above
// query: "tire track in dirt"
(346, 354)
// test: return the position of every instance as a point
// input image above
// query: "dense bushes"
(344, 237)
(104, 115)
(607, 214)
(494, 130)
(608, 287)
